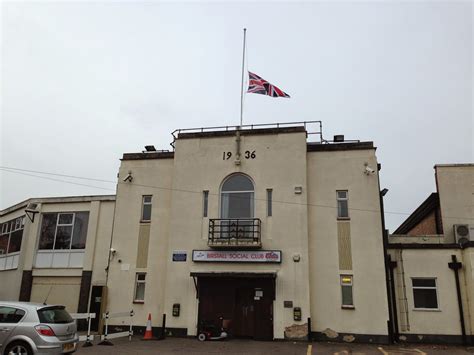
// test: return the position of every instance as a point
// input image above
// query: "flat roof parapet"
(312, 129)
(148, 155)
(257, 131)
(59, 199)
(318, 147)
(456, 165)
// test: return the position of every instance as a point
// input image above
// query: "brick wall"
(426, 227)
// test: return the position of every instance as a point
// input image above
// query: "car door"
(9, 319)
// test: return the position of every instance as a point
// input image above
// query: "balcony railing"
(235, 233)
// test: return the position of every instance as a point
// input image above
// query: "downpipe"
(455, 265)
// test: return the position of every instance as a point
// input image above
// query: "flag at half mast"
(257, 85)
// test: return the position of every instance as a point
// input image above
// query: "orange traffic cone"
(148, 333)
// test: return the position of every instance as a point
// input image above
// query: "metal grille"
(344, 245)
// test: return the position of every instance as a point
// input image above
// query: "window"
(205, 202)
(342, 204)
(424, 293)
(146, 208)
(62, 239)
(54, 315)
(269, 202)
(63, 231)
(139, 287)
(11, 235)
(10, 315)
(237, 197)
(346, 291)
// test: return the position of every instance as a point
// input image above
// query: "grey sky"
(83, 83)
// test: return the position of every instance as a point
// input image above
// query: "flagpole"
(242, 86)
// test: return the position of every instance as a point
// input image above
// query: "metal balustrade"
(235, 233)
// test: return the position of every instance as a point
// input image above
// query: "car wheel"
(201, 337)
(18, 348)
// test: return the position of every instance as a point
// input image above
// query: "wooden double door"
(245, 305)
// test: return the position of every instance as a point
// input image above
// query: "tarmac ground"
(239, 346)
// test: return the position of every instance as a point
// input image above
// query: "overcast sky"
(83, 83)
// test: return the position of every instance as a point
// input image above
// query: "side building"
(432, 263)
(254, 227)
(55, 250)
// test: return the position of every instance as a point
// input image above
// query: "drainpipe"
(382, 193)
(393, 265)
(456, 266)
(105, 303)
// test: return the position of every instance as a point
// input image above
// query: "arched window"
(237, 197)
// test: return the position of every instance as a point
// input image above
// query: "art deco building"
(269, 229)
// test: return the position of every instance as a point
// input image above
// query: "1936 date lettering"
(247, 155)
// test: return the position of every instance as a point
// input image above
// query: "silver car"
(33, 328)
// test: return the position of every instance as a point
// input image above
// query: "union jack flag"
(257, 85)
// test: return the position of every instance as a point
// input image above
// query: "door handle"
(4, 329)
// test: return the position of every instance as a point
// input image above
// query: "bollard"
(310, 335)
(88, 336)
(163, 328)
(130, 331)
(105, 341)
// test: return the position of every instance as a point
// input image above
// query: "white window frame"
(137, 282)
(64, 225)
(143, 205)
(351, 285)
(342, 199)
(425, 288)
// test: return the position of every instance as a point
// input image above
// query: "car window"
(53, 315)
(10, 314)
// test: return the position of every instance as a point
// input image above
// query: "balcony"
(241, 233)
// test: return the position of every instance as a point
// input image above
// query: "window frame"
(339, 199)
(435, 288)
(205, 203)
(269, 202)
(8, 228)
(229, 193)
(137, 282)
(64, 225)
(70, 258)
(142, 220)
(351, 286)
(72, 225)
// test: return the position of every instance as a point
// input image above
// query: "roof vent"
(339, 138)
